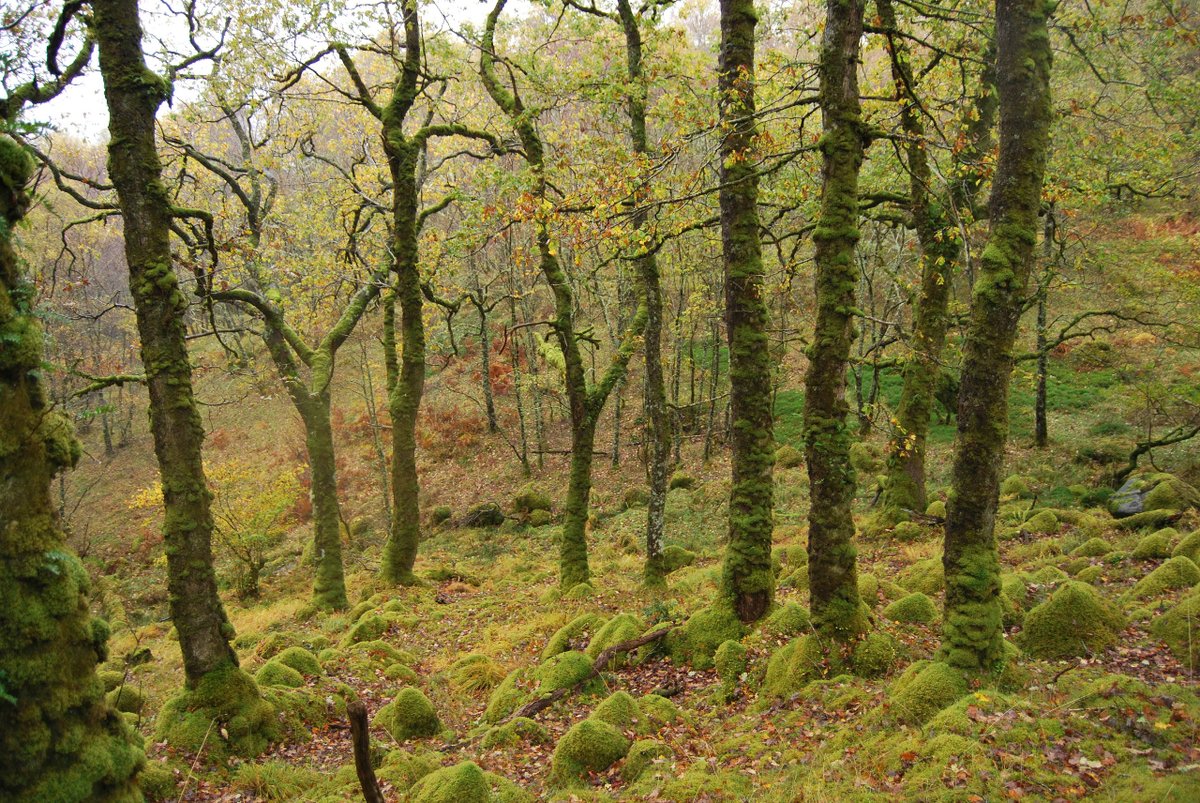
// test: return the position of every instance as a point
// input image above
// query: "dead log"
(360, 735)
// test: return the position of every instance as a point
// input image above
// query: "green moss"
(275, 780)
(926, 576)
(1092, 548)
(1044, 522)
(224, 714)
(127, 699)
(301, 660)
(367, 628)
(111, 679)
(580, 591)
(1189, 548)
(474, 673)
(730, 662)
(788, 456)
(636, 498)
(402, 673)
(619, 710)
(1178, 572)
(1179, 627)
(681, 479)
(697, 640)
(658, 710)
(578, 632)
(1156, 545)
(863, 458)
(936, 508)
(1016, 487)
(643, 754)
(924, 689)
(916, 608)
(462, 783)
(1147, 519)
(790, 619)
(562, 671)
(1090, 575)
(907, 532)
(371, 656)
(622, 627)
(441, 514)
(700, 782)
(402, 768)
(875, 654)
(675, 557)
(1048, 576)
(1075, 620)
(1170, 493)
(1076, 565)
(159, 781)
(409, 716)
(589, 746)
(540, 518)
(513, 692)
(516, 731)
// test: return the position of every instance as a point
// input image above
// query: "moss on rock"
(589, 746)
(788, 456)
(224, 714)
(513, 692)
(301, 660)
(1075, 620)
(697, 640)
(367, 628)
(730, 662)
(681, 479)
(1179, 628)
(675, 557)
(622, 627)
(562, 671)
(936, 508)
(790, 619)
(926, 576)
(126, 699)
(516, 731)
(643, 754)
(1092, 548)
(875, 654)
(1016, 487)
(1156, 545)
(1178, 572)
(916, 608)
(461, 783)
(659, 710)
(619, 710)
(924, 689)
(530, 498)
(409, 716)
(1044, 522)
(577, 632)
(907, 532)
(1189, 547)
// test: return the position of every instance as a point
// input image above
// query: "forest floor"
(1119, 723)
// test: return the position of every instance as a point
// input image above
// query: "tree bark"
(832, 567)
(747, 579)
(972, 633)
(134, 94)
(59, 735)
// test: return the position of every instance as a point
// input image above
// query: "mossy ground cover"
(1073, 727)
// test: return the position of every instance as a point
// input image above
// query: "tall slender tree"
(60, 741)
(832, 567)
(972, 633)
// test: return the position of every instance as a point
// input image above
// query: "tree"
(216, 688)
(585, 403)
(972, 634)
(833, 577)
(61, 740)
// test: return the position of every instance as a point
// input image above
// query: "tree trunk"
(573, 553)
(747, 579)
(329, 582)
(832, 567)
(134, 94)
(57, 725)
(1041, 433)
(941, 247)
(485, 358)
(972, 634)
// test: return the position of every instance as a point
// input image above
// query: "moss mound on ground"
(681, 479)
(529, 499)
(622, 627)
(521, 729)
(641, 756)
(730, 661)
(790, 619)
(788, 456)
(1156, 545)
(275, 673)
(576, 633)
(1075, 620)
(462, 783)
(126, 699)
(1016, 486)
(1092, 548)
(513, 692)
(659, 710)
(1147, 519)
(676, 557)
(1179, 627)
(1170, 493)
(1043, 522)
(301, 660)
(1178, 572)
(619, 710)
(874, 655)
(697, 640)
(916, 608)
(562, 671)
(926, 576)
(226, 699)
(409, 716)
(936, 508)
(924, 689)
(367, 628)
(1189, 547)
(907, 532)
(590, 745)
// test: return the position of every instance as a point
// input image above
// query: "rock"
(1075, 620)
(409, 716)
(1156, 545)
(676, 557)
(788, 456)
(681, 479)
(924, 689)
(487, 514)
(636, 497)
(529, 499)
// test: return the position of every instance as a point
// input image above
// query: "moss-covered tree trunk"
(833, 577)
(60, 740)
(746, 578)
(585, 404)
(134, 94)
(941, 246)
(972, 634)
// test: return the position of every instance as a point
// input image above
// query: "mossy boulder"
(367, 628)
(1075, 620)
(643, 754)
(936, 508)
(788, 456)
(1044, 522)
(409, 716)
(1090, 575)
(516, 731)
(619, 710)
(1179, 628)
(789, 619)
(622, 627)
(676, 557)
(126, 699)
(111, 679)
(1156, 545)
(441, 514)
(540, 518)
(907, 531)
(562, 671)
(274, 643)
(461, 783)
(1016, 487)
(370, 656)
(659, 710)
(916, 608)
(580, 591)
(730, 662)
(578, 632)
(1189, 548)
(229, 698)
(875, 654)
(275, 673)
(701, 782)
(697, 640)
(529, 499)
(486, 514)
(1147, 520)
(864, 458)
(681, 479)
(589, 746)
(926, 576)
(513, 692)
(1178, 572)
(404, 674)
(1170, 493)
(301, 660)
(924, 689)
(1092, 548)
(636, 497)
